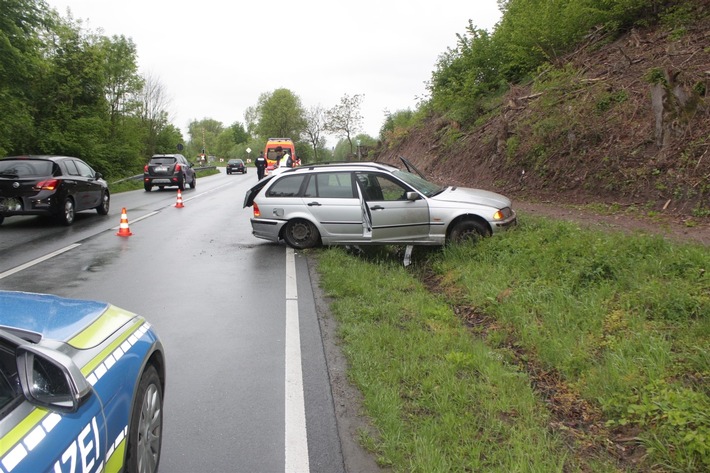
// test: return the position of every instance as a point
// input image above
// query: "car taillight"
(177, 168)
(48, 185)
(257, 212)
(145, 168)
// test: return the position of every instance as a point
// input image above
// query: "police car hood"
(57, 318)
(473, 196)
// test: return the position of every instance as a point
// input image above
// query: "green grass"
(621, 323)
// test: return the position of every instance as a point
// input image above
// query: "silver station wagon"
(362, 203)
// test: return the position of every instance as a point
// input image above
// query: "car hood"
(80, 323)
(473, 196)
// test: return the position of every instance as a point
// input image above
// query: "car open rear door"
(254, 191)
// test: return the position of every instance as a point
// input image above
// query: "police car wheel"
(146, 430)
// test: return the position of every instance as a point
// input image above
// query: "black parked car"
(58, 186)
(169, 170)
(236, 165)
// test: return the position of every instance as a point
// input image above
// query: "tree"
(204, 136)
(315, 126)
(239, 134)
(123, 83)
(279, 114)
(22, 22)
(152, 113)
(344, 120)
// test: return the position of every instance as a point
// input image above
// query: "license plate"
(160, 169)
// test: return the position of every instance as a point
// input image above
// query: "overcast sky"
(215, 58)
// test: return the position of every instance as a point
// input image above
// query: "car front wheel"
(146, 429)
(467, 230)
(301, 234)
(103, 208)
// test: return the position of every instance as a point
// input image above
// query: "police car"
(81, 387)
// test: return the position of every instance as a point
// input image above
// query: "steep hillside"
(622, 121)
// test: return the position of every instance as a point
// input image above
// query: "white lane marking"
(142, 217)
(295, 421)
(39, 260)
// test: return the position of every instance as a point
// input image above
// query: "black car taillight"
(48, 185)
(145, 168)
(177, 168)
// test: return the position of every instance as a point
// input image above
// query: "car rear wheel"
(67, 212)
(467, 230)
(103, 208)
(147, 187)
(2, 219)
(181, 182)
(194, 181)
(301, 234)
(146, 430)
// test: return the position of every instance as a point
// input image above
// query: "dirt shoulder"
(678, 228)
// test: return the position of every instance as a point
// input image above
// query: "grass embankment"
(548, 348)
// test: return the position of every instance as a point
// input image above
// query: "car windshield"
(25, 168)
(427, 188)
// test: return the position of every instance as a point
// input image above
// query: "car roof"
(40, 157)
(341, 166)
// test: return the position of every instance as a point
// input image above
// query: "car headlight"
(503, 213)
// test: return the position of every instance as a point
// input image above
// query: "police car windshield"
(427, 188)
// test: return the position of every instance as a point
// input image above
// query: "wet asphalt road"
(218, 298)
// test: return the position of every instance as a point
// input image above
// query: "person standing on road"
(286, 161)
(260, 165)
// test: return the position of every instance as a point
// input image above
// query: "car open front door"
(396, 213)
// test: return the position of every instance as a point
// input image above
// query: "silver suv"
(363, 203)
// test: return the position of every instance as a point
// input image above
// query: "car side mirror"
(50, 378)
(413, 195)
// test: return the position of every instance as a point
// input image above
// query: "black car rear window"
(162, 161)
(25, 168)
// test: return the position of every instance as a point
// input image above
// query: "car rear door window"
(335, 185)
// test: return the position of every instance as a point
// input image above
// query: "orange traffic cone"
(178, 204)
(123, 229)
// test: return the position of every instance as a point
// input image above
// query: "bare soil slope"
(616, 134)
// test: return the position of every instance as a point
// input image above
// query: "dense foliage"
(530, 34)
(65, 90)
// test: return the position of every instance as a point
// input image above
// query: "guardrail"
(140, 176)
